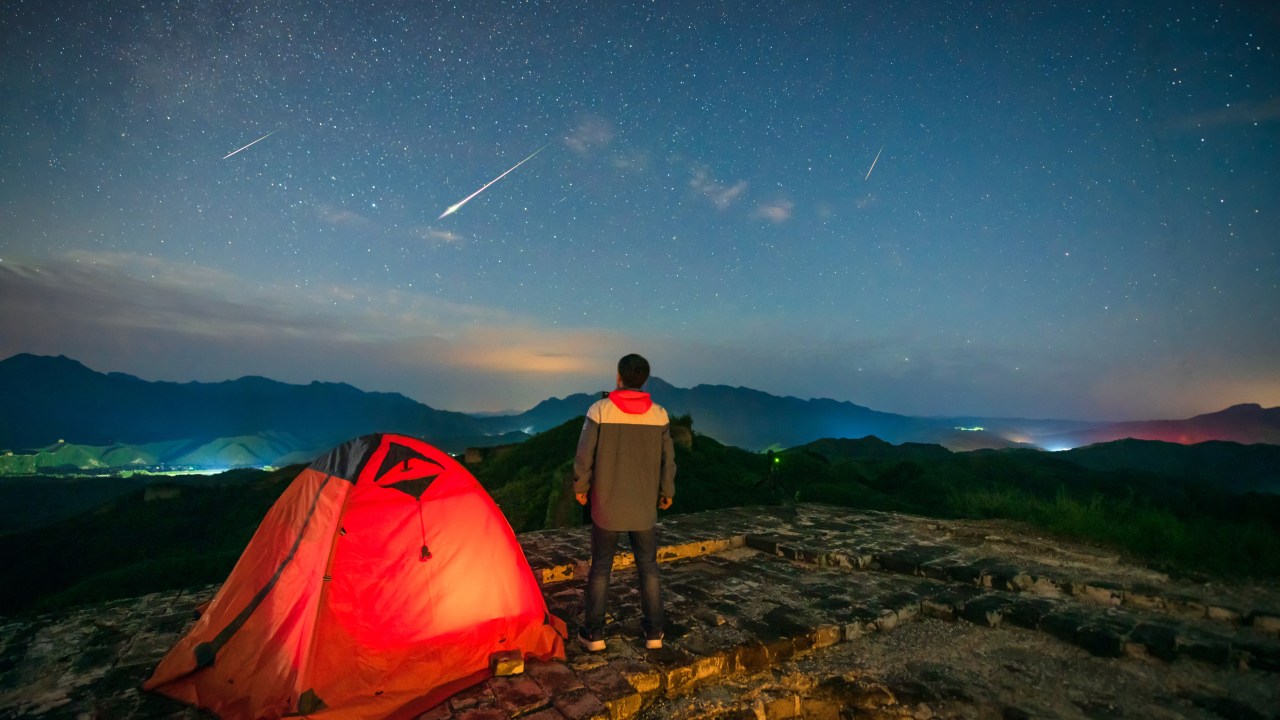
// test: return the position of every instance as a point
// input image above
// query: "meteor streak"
(873, 162)
(458, 205)
(255, 142)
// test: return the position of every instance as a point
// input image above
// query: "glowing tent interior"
(379, 584)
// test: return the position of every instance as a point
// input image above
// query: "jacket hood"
(632, 402)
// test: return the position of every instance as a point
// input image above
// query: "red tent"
(378, 585)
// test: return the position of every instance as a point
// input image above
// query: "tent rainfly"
(379, 584)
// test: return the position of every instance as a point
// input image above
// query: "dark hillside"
(1169, 521)
(166, 536)
(532, 481)
(1226, 466)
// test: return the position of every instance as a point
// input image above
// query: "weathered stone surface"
(1027, 612)
(986, 610)
(1158, 638)
(580, 705)
(761, 590)
(554, 678)
(518, 695)
(613, 691)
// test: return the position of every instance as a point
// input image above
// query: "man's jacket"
(625, 459)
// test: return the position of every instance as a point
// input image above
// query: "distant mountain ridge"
(79, 417)
(1247, 423)
(53, 399)
(756, 420)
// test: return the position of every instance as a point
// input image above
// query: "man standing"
(626, 461)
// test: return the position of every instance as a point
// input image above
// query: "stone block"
(937, 570)
(1203, 646)
(708, 617)
(930, 607)
(986, 611)
(554, 678)
(780, 708)
(763, 544)
(518, 695)
(1144, 598)
(826, 636)
(820, 709)
(1158, 639)
(1267, 622)
(899, 561)
(472, 697)
(643, 677)
(1224, 614)
(1063, 623)
(1098, 592)
(1185, 607)
(614, 692)
(1003, 576)
(968, 574)
(1102, 639)
(1028, 612)
(886, 620)
(1260, 654)
(580, 705)
(506, 662)
(751, 658)
(710, 666)
(955, 596)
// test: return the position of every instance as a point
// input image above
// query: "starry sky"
(1058, 209)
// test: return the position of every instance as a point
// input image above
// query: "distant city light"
(976, 428)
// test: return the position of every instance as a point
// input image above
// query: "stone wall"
(809, 611)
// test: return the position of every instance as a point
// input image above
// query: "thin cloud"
(445, 237)
(1234, 114)
(776, 212)
(340, 216)
(591, 133)
(720, 195)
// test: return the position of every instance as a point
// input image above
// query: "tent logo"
(407, 470)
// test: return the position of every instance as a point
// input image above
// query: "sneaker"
(589, 642)
(653, 641)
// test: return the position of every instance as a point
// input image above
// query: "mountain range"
(58, 414)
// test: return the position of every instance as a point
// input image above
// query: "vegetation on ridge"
(192, 536)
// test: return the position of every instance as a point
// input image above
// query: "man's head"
(633, 371)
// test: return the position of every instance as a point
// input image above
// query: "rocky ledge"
(811, 611)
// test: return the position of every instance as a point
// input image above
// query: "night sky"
(1064, 209)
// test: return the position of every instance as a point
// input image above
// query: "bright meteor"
(458, 205)
(255, 142)
(873, 162)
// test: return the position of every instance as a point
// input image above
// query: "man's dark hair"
(634, 371)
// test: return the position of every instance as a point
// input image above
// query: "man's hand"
(581, 498)
(663, 502)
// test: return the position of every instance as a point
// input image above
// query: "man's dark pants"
(644, 545)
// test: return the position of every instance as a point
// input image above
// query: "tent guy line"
(458, 205)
